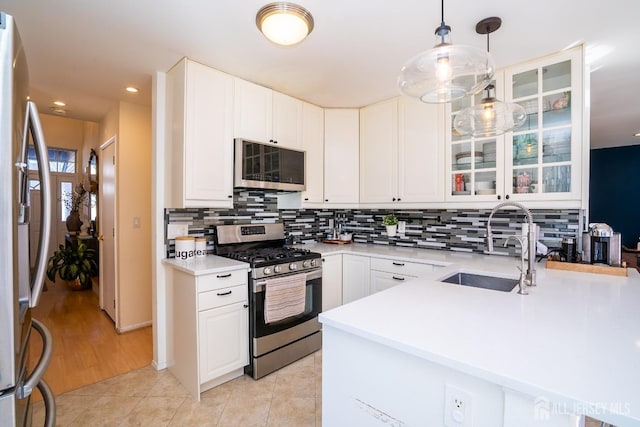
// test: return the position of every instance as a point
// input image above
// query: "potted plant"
(77, 196)
(391, 222)
(75, 265)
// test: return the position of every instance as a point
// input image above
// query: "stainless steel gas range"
(285, 294)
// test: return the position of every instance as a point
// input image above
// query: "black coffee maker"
(600, 245)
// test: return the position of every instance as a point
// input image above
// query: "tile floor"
(146, 397)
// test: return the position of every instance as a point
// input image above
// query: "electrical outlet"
(174, 230)
(457, 407)
(402, 227)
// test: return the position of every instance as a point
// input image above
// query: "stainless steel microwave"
(259, 165)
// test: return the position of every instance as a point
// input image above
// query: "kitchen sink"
(503, 284)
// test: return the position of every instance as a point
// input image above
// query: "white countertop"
(575, 339)
(206, 265)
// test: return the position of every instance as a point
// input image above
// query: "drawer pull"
(398, 278)
(399, 264)
(223, 276)
(229, 293)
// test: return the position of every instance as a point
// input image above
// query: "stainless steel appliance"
(274, 344)
(268, 166)
(20, 286)
(601, 245)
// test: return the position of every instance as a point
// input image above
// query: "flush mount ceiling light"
(131, 89)
(284, 23)
(59, 104)
(446, 72)
(491, 116)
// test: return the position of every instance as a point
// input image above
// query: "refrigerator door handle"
(33, 125)
(49, 404)
(26, 389)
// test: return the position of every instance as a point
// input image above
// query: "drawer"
(401, 267)
(222, 297)
(221, 280)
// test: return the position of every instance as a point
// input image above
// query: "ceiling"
(85, 52)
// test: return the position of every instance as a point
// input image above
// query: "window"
(60, 160)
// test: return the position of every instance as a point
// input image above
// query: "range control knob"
(293, 266)
(306, 263)
(314, 262)
(267, 270)
(277, 269)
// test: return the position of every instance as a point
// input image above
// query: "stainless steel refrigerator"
(20, 285)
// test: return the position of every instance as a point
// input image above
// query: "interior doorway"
(107, 224)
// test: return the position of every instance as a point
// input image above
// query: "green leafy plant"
(390, 219)
(73, 263)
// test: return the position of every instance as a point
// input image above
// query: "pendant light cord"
(442, 13)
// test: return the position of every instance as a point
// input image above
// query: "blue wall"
(614, 193)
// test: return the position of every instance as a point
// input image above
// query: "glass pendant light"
(284, 23)
(446, 72)
(491, 117)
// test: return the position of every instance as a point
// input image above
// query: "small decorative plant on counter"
(391, 222)
(76, 266)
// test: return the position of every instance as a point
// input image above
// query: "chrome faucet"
(521, 282)
(530, 278)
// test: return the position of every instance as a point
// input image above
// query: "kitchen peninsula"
(404, 356)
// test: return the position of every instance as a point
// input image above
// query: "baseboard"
(134, 327)
(159, 366)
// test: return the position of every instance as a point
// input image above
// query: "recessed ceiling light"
(59, 103)
(637, 134)
(131, 89)
(59, 111)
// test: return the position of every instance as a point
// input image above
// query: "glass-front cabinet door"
(475, 165)
(543, 157)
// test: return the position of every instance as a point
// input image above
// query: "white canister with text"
(201, 247)
(185, 247)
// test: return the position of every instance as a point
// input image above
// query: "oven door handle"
(311, 275)
(43, 363)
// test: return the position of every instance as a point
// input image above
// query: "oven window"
(313, 306)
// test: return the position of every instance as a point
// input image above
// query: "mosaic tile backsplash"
(446, 229)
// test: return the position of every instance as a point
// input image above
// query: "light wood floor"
(87, 348)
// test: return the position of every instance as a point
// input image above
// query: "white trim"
(134, 327)
(158, 272)
(108, 142)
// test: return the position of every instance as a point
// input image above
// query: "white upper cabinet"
(401, 152)
(341, 141)
(253, 118)
(541, 162)
(263, 115)
(200, 110)
(379, 152)
(543, 158)
(420, 151)
(287, 121)
(313, 145)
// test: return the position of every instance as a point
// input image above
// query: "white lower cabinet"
(210, 328)
(386, 273)
(355, 277)
(331, 281)
(224, 345)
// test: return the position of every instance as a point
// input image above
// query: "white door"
(62, 185)
(106, 221)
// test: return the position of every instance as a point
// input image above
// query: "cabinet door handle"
(326, 200)
(506, 197)
(499, 197)
(223, 276)
(230, 197)
(227, 293)
(398, 278)
(399, 264)
(398, 198)
(306, 199)
(393, 200)
(246, 305)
